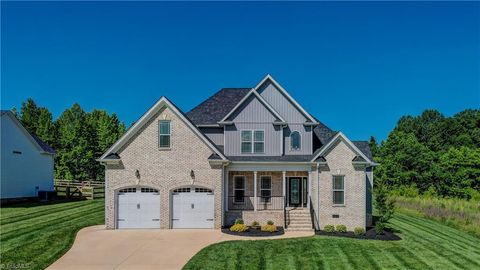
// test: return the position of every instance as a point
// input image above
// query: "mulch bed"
(254, 232)
(370, 234)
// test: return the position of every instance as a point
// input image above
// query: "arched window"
(295, 141)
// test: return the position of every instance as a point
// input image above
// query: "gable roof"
(162, 102)
(340, 136)
(285, 93)
(213, 109)
(260, 98)
(37, 142)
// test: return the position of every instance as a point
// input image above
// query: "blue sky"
(357, 67)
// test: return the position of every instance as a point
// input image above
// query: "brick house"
(250, 153)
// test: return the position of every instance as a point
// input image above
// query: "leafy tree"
(74, 153)
(437, 154)
(29, 113)
(45, 127)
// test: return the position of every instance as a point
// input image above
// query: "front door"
(295, 192)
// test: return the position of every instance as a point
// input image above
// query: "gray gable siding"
(215, 134)
(252, 111)
(281, 104)
(233, 139)
(306, 141)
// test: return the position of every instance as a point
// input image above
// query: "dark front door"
(295, 192)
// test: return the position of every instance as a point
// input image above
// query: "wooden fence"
(80, 189)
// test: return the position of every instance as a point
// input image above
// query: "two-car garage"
(140, 207)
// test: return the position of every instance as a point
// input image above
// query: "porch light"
(137, 174)
(192, 174)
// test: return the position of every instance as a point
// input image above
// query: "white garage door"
(192, 208)
(138, 208)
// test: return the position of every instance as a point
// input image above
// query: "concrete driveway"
(98, 248)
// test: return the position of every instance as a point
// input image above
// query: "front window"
(164, 134)
(338, 189)
(239, 189)
(295, 141)
(266, 188)
(253, 141)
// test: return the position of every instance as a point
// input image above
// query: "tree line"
(433, 154)
(78, 137)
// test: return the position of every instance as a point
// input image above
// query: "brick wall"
(353, 213)
(164, 170)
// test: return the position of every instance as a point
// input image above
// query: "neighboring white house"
(26, 161)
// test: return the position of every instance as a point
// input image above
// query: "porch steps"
(298, 220)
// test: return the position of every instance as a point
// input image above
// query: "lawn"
(34, 235)
(426, 244)
(457, 213)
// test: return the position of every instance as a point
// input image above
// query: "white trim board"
(161, 103)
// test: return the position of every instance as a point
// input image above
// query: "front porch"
(265, 195)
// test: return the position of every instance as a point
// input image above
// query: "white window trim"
(235, 177)
(299, 134)
(333, 190)
(252, 148)
(169, 134)
(262, 189)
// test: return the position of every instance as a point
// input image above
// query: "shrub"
(238, 221)
(379, 227)
(329, 228)
(255, 224)
(341, 228)
(269, 228)
(359, 231)
(383, 202)
(269, 222)
(239, 228)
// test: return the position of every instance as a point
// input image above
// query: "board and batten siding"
(215, 134)
(252, 111)
(281, 104)
(306, 139)
(233, 140)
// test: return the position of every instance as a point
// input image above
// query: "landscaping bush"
(270, 222)
(379, 227)
(341, 228)
(269, 228)
(239, 228)
(329, 228)
(359, 231)
(238, 221)
(255, 224)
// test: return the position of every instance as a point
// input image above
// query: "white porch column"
(284, 193)
(309, 183)
(255, 191)
(225, 176)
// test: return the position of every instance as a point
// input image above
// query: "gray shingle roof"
(45, 147)
(364, 147)
(217, 106)
(323, 133)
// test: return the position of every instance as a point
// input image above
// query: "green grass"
(426, 244)
(34, 235)
(457, 213)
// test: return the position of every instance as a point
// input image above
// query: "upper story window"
(295, 141)
(338, 189)
(164, 133)
(253, 141)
